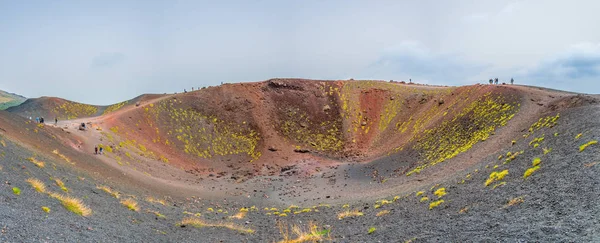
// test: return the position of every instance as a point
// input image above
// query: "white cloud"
(511, 8)
(576, 69)
(476, 18)
(413, 60)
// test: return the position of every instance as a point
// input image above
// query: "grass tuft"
(435, 204)
(440, 192)
(348, 213)
(496, 176)
(199, 223)
(530, 171)
(38, 185)
(547, 150)
(382, 213)
(239, 215)
(72, 204)
(61, 184)
(46, 209)
(514, 201)
(16, 191)
(106, 189)
(157, 214)
(154, 200)
(372, 230)
(309, 234)
(62, 156)
(583, 146)
(37, 163)
(131, 204)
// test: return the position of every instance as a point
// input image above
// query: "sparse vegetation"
(496, 176)
(310, 234)
(157, 214)
(452, 137)
(530, 171)
(111, 192)
(154, 200)
(440, 192)
(46, 209)
(130, 204)
(71, 110)
(499, 185)
(36, 162)
(585, 145)
(514, 201)
(38, 185)
(435, 204)
(371, 230)
(350, 213)
(382, 213)
(114, 107)
(62, 156)
(549, 122)
(72, 204)
(240, 215)
(61, 184)
(16, 191)
(199, 223)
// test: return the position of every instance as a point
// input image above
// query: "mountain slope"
(9, 100)
(255, 161)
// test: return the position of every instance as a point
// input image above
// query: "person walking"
(96, 150)
(496, 81)
(101, 149)
(491, 81)
(55, 121)
(512, 81)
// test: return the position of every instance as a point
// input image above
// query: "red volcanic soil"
(239, 131)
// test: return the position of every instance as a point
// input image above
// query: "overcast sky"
(103, 52)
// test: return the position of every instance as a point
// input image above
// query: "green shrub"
(583, 146)
(16, 191)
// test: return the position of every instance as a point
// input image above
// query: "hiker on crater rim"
(96, 150)
(101, 149)
(512, 81)
(496, 81)
(491, 81)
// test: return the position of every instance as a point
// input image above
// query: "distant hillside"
(9, 100)
(52, 107)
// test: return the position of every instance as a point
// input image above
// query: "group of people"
(495, 81)
(41, 120)
(98, 150)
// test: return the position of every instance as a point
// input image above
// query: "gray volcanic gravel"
(560, 202)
